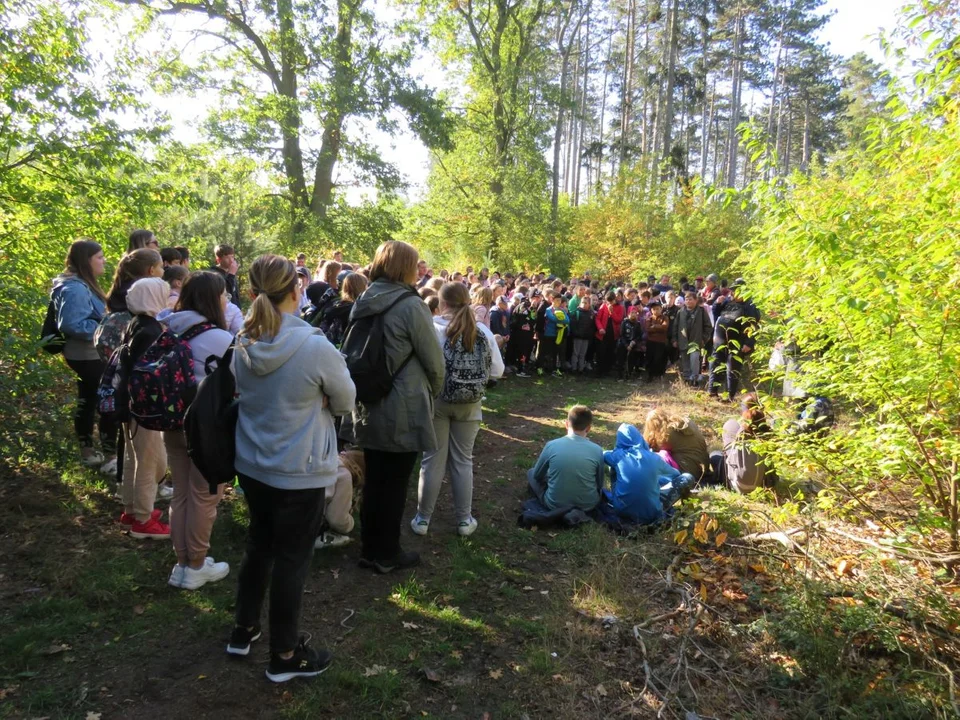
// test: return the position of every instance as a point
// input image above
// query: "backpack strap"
(213, 361)
(410, 293)
(197, 329)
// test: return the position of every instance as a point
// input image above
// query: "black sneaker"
(240, 640)
(399, 561)
(306, 662)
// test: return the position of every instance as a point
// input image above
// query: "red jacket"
(604, 314)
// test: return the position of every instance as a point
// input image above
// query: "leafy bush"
(863, 262)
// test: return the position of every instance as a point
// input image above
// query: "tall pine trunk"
(735, 91)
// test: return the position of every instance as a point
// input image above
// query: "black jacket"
(233, 287)
(629, 332)
(582, 324)
(523, 319)
(142, 331)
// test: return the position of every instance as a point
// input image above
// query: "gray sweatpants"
(579, 360)
(690, 360)
(456, 427)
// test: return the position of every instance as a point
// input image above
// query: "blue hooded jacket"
(638, 473)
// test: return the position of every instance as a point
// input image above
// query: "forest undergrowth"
(765, 606)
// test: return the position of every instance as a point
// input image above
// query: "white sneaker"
(467, 527)
(109, 468)
(419, 525)
(210, 572)
(91, 460)
(176, 576)
(331, 540)
(164, 491)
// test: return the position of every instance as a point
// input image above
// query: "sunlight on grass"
(411, 597)
(593, 600)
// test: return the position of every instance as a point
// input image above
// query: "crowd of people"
(347, 376)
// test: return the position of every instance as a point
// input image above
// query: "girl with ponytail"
(472, 359)
(291, 382)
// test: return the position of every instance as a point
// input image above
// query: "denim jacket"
(79, 312)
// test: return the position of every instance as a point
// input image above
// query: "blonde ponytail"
(272, 278)
(463, 326)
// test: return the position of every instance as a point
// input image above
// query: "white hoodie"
(211, 342)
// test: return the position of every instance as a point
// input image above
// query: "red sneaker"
(131, 520)
(152, 529)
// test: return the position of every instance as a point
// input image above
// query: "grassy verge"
(509, 622)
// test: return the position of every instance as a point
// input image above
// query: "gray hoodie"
(285, 437)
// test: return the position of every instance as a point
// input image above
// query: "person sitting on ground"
(739, 466)
(569, 472)
(643, 486)
(338, 511)
(679, 441)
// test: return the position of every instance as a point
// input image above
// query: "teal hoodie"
(285, 437)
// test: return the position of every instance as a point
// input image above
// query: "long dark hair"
(202, 292)
(78, 263)
(139, 239)
(132, 266)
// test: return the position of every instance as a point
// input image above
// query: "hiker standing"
(394, 430)
(291, 381)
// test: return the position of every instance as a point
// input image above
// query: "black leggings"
(384, 495)
(89, 373)
(283, 527)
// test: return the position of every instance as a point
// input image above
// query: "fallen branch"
(665, 616)
(785, 537)
(948, 560)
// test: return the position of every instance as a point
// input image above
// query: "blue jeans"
(671, 492)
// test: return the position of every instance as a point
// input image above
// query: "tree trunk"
(585, 50)
(342, 88)
(626, 108)
(705, 118)
(291, 123)
(672, 42)
(773, 94)
(805, 162)
(706, 134)
(603, 112)
(737, 83)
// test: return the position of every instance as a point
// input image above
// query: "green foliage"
(863, 263)
(633, 231)
(461, 220)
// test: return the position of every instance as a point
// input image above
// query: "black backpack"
(210, 423)
(366, 357)
(51, 339)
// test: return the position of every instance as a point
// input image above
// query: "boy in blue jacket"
(643, 486)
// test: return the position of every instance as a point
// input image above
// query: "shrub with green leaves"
(863, 262)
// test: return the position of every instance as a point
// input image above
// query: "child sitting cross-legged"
(643, 485)
(569, 472)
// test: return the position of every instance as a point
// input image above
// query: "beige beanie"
(148, 296)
